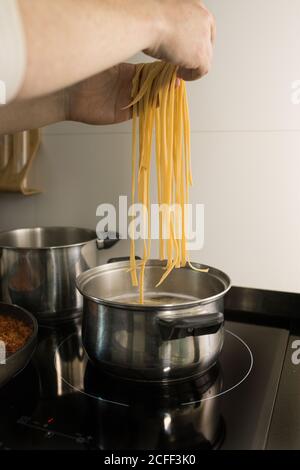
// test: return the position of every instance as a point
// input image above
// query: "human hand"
(186, 37)
(102, 98)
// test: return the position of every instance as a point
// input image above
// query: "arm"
(97, 100)
(70, 40)
(32, 113)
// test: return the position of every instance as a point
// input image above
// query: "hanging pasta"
(159, 103)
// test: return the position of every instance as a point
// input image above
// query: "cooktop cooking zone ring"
(240, 344)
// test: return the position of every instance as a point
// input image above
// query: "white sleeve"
(12, 50)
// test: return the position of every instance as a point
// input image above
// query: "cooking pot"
(39, 266)
(177, 333)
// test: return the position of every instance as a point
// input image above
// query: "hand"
(100, 99)
(186, 37)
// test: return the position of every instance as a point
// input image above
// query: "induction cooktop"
(60, 401)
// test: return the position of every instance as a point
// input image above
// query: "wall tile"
(249, 184)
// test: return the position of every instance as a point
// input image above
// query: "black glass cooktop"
(61, 402)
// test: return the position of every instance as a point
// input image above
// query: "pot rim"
(86, 276)
(44, 248)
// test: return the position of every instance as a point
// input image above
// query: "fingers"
(213, 31)
(190, 74)
(213, 23)
(186, 38)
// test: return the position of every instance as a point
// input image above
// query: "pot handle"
(107, 240)
(193, 325)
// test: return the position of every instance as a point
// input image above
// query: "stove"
(60, 401)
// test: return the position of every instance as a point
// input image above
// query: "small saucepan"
(177, 333)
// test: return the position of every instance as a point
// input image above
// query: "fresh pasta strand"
(160, 106)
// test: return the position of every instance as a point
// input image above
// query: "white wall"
(245, 144)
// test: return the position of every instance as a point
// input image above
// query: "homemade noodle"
(159, 102)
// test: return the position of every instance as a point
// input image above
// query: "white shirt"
(12, 50)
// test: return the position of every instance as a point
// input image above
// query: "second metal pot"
(39, 266)
(176, 334)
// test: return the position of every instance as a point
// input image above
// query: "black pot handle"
(107, 240)
(193, 325)
(122, 258)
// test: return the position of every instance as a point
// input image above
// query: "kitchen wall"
(245, 149)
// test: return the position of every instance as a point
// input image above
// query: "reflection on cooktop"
(61, 401)
(127, 393)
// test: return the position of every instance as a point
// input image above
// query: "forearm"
(70, 40)
(33, 113)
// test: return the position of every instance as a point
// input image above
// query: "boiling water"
(154, 298)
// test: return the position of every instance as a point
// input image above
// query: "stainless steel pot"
(176, 334)
(39, 266)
